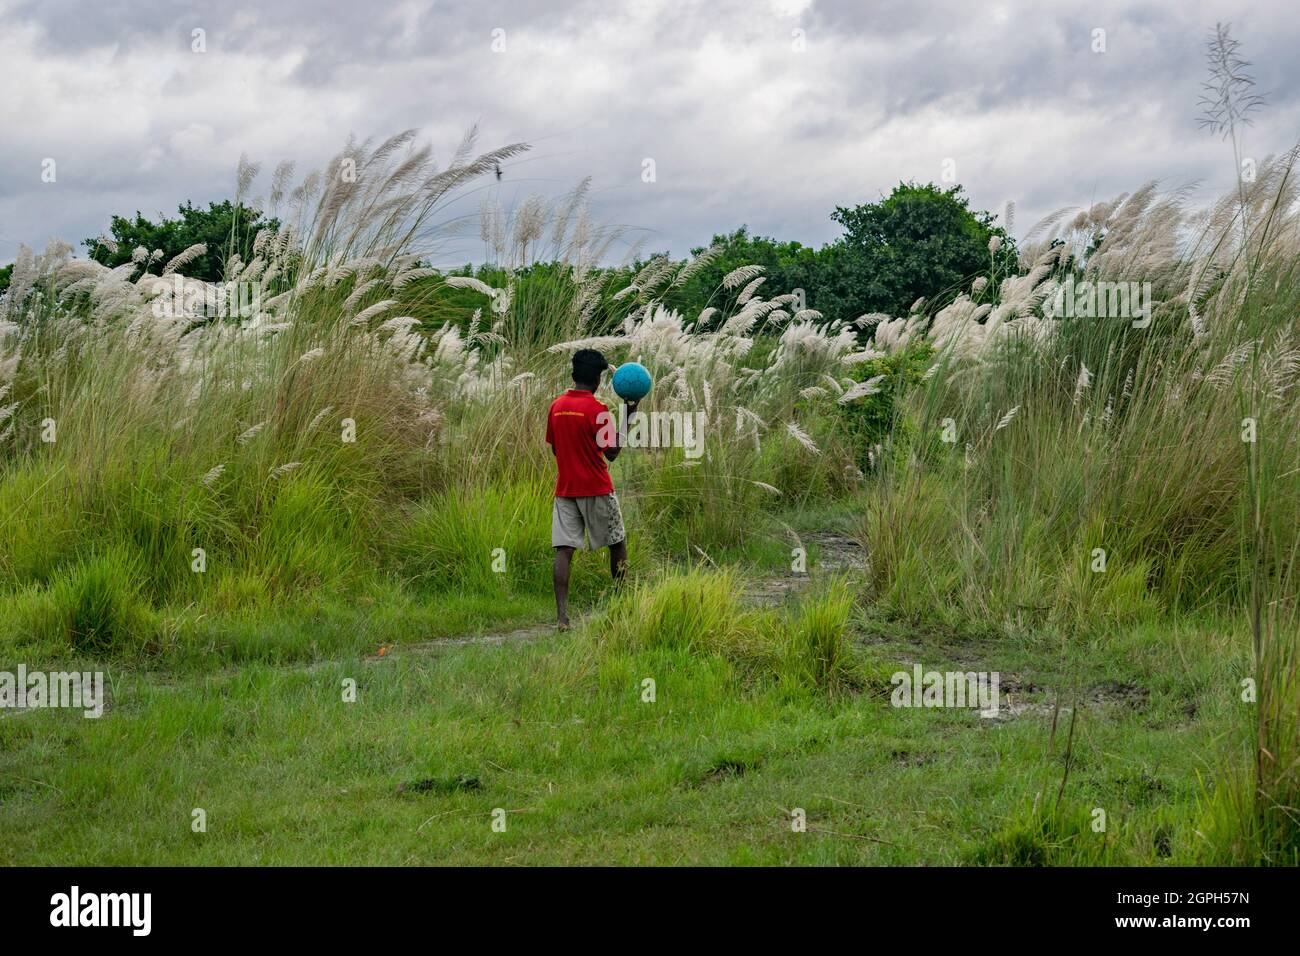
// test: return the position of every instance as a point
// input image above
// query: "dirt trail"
(521, 635)
(835, 553)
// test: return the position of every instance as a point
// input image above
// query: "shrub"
(815, 652)
(880, 418)
(451, 541)
(95, 606)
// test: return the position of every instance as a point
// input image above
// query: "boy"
(578, 429)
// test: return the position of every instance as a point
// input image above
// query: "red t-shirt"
(571, 430)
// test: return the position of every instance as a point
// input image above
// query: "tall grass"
(699, 615)
(1078, 473)
(350, 435)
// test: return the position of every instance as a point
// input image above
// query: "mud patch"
(836, 554)
(446, 785)
(1018, 698)
(910, 758)
(1114, 692)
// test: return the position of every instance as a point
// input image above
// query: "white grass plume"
(469, 282)
(862, 389)
(802, 437)
(738, 277)
(368, 313)
(1082, 383)
(865, 355)
(696, 264)
(747, 293)
(252, 433)
(185, 257)
(744, 416)
(411, 275)
(319, 417)
(834, 384)
(359, 293)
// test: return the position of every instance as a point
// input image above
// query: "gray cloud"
(742, 126)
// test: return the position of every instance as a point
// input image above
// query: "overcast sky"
(765, 112)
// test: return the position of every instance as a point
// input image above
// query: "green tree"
(6, 276)
(920, 241)
(225, 228)
(787, 266)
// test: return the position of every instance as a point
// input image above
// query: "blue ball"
(631, 381)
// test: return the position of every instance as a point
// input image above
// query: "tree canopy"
(224, 227)
(919, 242)
(787, 266)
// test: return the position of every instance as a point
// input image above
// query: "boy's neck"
(583, 388)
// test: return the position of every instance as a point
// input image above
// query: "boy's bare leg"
(618, 561)
(560, 578)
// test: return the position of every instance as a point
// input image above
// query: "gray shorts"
(599, 516)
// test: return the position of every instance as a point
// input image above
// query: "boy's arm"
(620, 437)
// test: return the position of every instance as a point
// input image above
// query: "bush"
(452, 540)
(816, 652)
(880, 419)
(95, 606)
(700, 614)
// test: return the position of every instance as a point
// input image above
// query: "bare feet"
(562, 624)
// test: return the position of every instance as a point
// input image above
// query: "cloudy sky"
(765, 112)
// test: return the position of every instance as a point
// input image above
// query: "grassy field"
(554, 731)
(237, 520)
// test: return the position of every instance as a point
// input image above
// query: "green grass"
(557, 734)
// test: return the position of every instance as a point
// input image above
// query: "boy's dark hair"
(587, 366)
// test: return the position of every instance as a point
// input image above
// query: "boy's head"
(588, 364)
